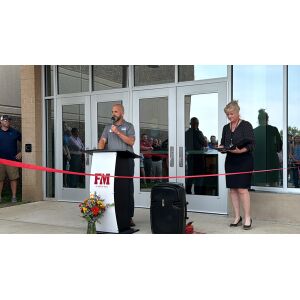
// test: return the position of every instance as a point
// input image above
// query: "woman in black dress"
(238, 135)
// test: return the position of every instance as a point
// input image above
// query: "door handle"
(171, 156)
(180, 157)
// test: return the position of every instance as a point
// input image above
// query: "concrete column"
(31, 112)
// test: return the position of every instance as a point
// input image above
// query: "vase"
(91, 229)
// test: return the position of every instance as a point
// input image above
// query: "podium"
(117, 191)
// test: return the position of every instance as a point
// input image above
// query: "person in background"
(120, 137)
(146, 148)
(142, 170)
(9, 138)
(194, 144)
(295, 156)
(165, 158)
(238, 136)
(151, 140)
(75, 146)
(213, 142)
(268, 146)
(156, 160)
(66, 154)
(290, 146)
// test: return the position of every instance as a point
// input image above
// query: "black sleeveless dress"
(243, 135)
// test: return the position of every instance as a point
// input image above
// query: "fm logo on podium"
(102, 179)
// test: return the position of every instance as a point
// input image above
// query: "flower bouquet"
(92, 210)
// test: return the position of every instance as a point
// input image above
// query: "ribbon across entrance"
(52, 170)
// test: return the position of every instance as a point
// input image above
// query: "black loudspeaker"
(168, 208)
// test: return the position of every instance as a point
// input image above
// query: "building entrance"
(80, 122)
(164, 121)
(73, 136)
(170, 147)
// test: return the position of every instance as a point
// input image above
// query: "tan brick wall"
(275, 207)
(31, 112)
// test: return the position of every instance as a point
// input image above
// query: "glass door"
(154, 119)
(73, 136)
(101, 112)
(200, 119)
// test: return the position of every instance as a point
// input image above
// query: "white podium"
(116, 191)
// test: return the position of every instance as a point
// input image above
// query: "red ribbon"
(52, 170)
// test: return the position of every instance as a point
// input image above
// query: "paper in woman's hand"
(224, 149)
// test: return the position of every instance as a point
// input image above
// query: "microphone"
(113, 120)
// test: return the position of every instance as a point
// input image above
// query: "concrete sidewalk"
(64, 217)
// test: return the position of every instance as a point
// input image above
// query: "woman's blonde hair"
(233, 105)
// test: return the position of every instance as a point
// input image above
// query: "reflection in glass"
(153, 140)
(268, 146)
(104, 115)
(293, 143)
(201, 72)
(153, 74)
(201, 158)
(50, 146)
(259, 90)
(73, 79)
(109, 77)
(73, 126)
(48, 81)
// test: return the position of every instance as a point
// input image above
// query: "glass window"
(293, 146)
(153, 140)
(200, 72)
(73, 79)
(50, 144)
(73, 126)
(201, 136)
(259, 90)
(48, 81)
(109, 77)
(153, 74)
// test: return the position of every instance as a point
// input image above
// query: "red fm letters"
(104, 178)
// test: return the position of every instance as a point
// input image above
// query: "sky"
(255, 87)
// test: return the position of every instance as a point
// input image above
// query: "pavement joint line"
(26, 222)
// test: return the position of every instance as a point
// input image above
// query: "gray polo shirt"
(115, 143)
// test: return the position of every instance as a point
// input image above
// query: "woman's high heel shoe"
(247, 227)
(237, 224)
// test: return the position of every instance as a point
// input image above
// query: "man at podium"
(120, 136)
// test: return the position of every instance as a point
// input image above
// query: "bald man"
(120, 136)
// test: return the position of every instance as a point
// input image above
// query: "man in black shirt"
(194, 144)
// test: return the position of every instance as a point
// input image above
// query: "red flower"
(189, 228)
(95, 211)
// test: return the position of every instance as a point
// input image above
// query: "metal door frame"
(201, 203)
